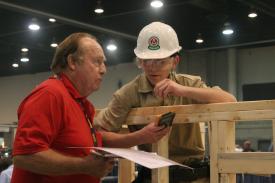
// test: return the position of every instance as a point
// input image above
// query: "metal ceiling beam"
(232, 45)
(205, 4)
(65, 20)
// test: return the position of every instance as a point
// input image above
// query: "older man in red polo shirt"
(56, 116)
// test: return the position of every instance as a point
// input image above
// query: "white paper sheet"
(149, 160)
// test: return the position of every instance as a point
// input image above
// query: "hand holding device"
(166, 119)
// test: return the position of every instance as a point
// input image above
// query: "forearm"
(208, 95)
(111, 139)
(149, 134)
(49, 163)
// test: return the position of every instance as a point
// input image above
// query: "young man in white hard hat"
(157, 54)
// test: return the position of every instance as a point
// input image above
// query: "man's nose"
(153, 67)
(103, 69)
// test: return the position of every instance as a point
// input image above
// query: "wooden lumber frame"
(221, 118)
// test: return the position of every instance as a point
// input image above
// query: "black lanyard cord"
(92, 129)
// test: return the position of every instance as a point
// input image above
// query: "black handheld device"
(166, 119)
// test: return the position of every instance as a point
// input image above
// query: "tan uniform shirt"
(185, 139)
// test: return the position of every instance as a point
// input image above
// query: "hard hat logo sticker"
(153, 43)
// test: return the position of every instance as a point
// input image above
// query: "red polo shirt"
(51, 117)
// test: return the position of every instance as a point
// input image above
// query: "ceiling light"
(156, 3)
(111, 47)
(54, 43)
(24, 57)
(52, 20)
(24, 49)
(34, 25)
(15, 65)
(227, 30)
(98, 9)
(199, 39)
(252, 14)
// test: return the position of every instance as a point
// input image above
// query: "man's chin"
(154, 81)
(95, 88)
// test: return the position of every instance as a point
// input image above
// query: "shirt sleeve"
(112, 117)
(39, 122)
(196, 81)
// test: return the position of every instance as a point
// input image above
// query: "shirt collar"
(144, 85)
(70, 87)
(83, 101)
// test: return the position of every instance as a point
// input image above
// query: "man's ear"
(71, 62)
(176, 61)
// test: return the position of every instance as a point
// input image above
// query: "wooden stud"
(126, 171)
(226, 138)
(213, 144)
(161, 175)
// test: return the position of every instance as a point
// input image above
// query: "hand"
(152, 133)
(167, 87)
(98, 166)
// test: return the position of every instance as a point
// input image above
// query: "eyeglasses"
(156, 62)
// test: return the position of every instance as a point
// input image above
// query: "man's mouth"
(154, 75)
(99, 80)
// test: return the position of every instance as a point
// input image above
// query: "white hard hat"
(156, 41)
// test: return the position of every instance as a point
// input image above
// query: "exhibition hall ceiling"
(120, 24)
